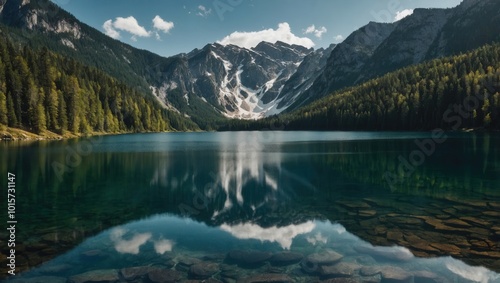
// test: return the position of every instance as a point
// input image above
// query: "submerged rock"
(286, 258)
(476, 221)
(184, 263)
(267, 278)
(448, 248)
(103, 275)
(327, 257)
(426, 277)
(159, 275)
(367, 213)
(355, 204)
(249, 257)
(40, 279)
(345, 280)
(203, 270)
(132, 273)
(369, 270)
(54, 269)
(391, 274)
(342, 269)
(393, 254)
(457, 223)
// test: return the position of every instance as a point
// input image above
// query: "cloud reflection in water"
(131, 246)
(282, 235)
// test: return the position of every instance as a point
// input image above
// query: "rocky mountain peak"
(40, 15)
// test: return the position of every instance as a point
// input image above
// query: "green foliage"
(40, 91)
(438, 94)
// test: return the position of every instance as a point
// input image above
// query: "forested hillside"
(451, 93)
(42, 91)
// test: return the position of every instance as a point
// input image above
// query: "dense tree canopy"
(452, 93)
(40, 91)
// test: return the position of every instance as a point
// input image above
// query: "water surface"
(156, 199)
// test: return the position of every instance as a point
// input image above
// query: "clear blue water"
(148, 199)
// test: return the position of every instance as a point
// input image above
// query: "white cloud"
(318, 32)
(203, 11)
(109, 30)
(128, 24)
(338, 38)
(131, 25)
(252, 38)
(162, 25)
(403, 14)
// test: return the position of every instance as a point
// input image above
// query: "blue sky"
(169, 27)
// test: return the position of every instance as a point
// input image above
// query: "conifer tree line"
(437, 94)
(41, 91)
(419, 97)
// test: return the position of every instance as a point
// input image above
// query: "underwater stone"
(203, 270)
(327, 257)
(158, 275)
(249, 256)
(286, 258)
(40, 279)
(132, 273)
(103, 275)
(392, 274)
(267, 278)
(184, 263)
(342, 269)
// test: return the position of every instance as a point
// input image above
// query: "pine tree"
(11, 113)
(62, 120)
(3, 108)
(52, 109)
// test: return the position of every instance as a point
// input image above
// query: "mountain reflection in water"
(265, 191)
(170, 242)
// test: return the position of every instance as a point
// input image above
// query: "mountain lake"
(256, 207)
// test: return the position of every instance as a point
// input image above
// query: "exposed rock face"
(240, 82)
(272, 77)
(377, 48)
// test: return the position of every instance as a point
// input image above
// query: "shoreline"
(19, 135)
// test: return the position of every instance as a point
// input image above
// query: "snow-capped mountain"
(239, 82)
(217, 80)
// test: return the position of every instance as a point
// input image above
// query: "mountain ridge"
(217, 82)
